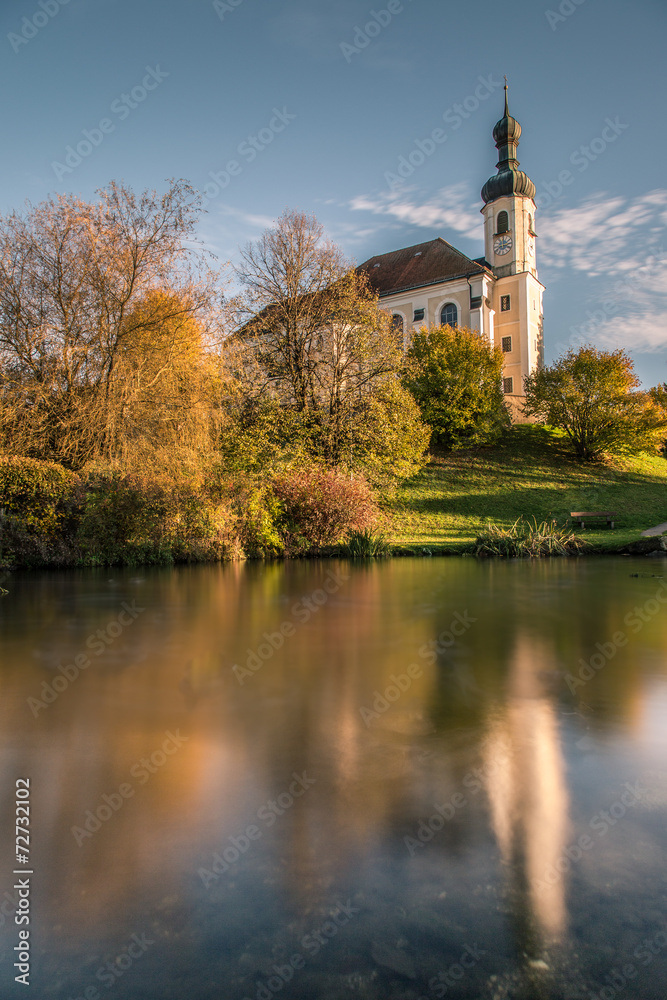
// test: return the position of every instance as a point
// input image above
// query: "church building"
(499, 294)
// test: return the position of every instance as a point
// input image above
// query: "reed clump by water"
(526, 539)
(367, 544)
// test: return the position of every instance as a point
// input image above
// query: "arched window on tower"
(449, 315)
(530, 223)
(503, 222)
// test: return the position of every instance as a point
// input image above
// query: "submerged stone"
(394, 959)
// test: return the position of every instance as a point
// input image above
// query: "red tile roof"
(423, 264)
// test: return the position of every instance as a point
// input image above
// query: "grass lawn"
(532, 473)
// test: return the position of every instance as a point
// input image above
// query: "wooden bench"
(583, 516)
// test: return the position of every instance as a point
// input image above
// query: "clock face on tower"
(531, 246)
(502, 245)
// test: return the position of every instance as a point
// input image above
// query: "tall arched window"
(397, 324)
(530, 223)
(503, 222)
(449, 315)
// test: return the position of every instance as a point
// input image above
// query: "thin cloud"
(604, 236)
(648, 333)
(621, 244)
(245, 219)
(451, 208)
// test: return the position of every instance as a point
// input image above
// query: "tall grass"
(526, 540)
(367, 544)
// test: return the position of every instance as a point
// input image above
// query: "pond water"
(326, 780)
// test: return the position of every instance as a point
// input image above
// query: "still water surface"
(407, 788)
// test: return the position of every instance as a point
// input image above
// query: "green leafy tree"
(381, 436)
(455, 376)
(386, 438)
(592, 395)
(658, 395)
(264, 434)
(39, 495)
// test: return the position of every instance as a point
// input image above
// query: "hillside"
(531, 474)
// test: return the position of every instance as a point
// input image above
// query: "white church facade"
(499, 295)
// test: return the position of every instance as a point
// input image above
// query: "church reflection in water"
(526, 788)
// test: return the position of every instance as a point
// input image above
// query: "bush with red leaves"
(320, 507)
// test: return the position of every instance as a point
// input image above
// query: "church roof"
(414, 267)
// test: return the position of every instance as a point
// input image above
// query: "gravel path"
(658, 530)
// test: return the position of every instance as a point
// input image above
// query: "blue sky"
(297, 104)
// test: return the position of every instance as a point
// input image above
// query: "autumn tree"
(593, 396)
(288, 275)
(85, 288)
(164, 396)
(314, 339)
(455, 376)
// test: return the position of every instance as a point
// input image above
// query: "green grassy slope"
(531, 474)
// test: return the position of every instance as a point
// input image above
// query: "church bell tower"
(509, 244)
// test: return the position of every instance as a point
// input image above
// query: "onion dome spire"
(509, 179)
